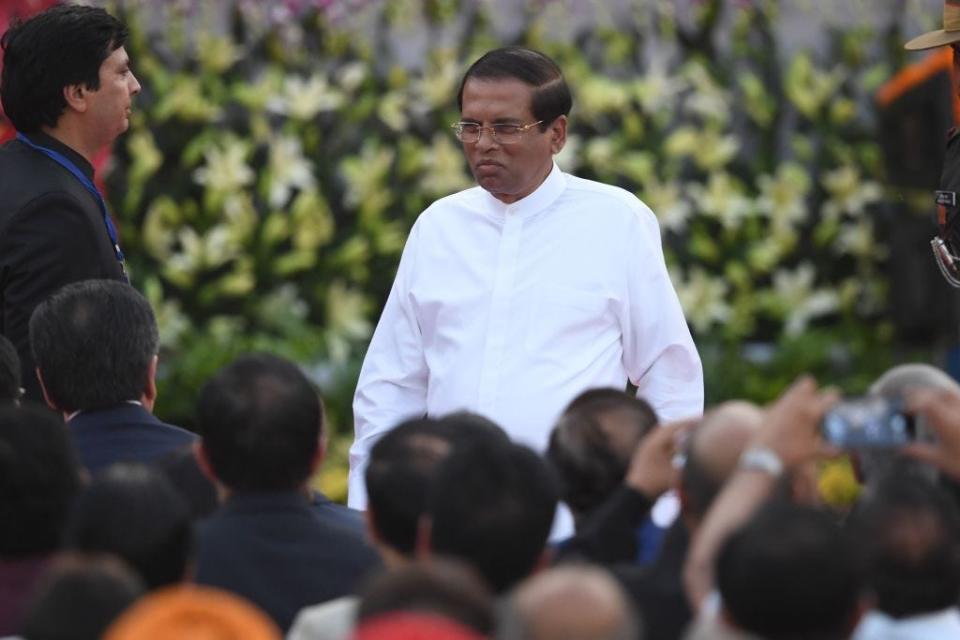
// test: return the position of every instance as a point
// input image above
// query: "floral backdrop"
(280, 152)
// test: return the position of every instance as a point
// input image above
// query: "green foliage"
(273, 170)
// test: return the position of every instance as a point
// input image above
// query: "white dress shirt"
(511, 311)
(939, 625)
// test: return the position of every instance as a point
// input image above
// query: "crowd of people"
(491, 405)
(135, 528)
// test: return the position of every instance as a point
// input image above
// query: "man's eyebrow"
(503, 120)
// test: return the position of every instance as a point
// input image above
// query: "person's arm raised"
(789, 437)
(941, 409)
(608, 536)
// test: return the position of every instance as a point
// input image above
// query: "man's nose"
(135, 89)
(487, 140)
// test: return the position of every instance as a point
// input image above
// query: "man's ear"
(46, 394)
(424, 535)
(544, 561)
(149, 395)
(76, 97)
(319, 454)
(558, 134)
(203, 461)
(370, 520)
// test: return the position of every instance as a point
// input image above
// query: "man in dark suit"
(261, 427)
(67, 88)
(95, 346)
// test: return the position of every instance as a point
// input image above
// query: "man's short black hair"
(590, 463)
(551, 95)
(132, 511)
(492, 505)
(39, 477)
(94, 342)
(80, 596)
(261, 422)
(398, 476)
(65, 45)
(9, 372)
(790, 573)
(443, 588)
(908, 533)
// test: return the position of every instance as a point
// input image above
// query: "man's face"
(508, 171)
(109, 106)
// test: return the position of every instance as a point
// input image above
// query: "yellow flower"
(837, 483)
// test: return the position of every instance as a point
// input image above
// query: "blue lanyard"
(65, 162)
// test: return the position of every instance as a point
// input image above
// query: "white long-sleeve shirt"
(511, 311)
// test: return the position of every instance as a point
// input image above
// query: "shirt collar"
(43, 140)
(79, 411)
(544, 195)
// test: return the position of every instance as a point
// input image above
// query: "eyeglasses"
(470, 132)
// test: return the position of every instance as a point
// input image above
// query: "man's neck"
(72, 136)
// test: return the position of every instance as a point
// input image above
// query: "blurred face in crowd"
(508, 171)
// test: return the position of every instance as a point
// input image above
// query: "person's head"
(790, 573)
(79, 596)
(39, 478)
(442, 588)
(398, 475)
(895, 383)
(908, 533)
(592, 443)
(69, 60)
(132, 511)
(491, 505)
(712, 452)
(520, 98)
(570, 602)
(9, 372)
(95, 346)
(261, 425)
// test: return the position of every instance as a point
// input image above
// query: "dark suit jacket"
(657, 590)
(126, 433)
(51, 234)
(277, 551)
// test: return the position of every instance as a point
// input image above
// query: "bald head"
(714, 450)
(570, 603)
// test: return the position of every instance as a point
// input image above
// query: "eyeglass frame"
(521, 129)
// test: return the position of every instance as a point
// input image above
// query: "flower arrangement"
(280, 152)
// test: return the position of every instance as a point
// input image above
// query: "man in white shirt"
(514, 296)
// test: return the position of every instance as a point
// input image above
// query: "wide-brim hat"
(948, 35)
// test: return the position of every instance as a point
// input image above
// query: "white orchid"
(288, 170)
(799, 298)
(703, 298)
(225, 168)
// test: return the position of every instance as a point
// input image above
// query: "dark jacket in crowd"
(278, 551)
